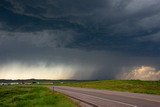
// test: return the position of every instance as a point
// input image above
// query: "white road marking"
(137, 98)
(133, 97)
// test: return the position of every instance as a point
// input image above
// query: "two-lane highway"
(104, 98)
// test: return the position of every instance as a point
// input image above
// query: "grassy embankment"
(32, 96)
(135, 86)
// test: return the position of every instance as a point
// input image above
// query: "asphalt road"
(104, 98)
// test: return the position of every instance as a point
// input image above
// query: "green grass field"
(32, 96)
(135, 86)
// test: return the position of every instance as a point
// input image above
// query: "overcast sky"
(80, 39)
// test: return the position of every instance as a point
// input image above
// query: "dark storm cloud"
(56, 8)
(45, 38)
(101, 37)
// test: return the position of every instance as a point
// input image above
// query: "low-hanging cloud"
(142, 73)
(68, 64)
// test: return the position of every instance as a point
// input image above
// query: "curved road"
(104, 98)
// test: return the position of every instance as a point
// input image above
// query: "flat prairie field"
(134, 86)
(32, 96)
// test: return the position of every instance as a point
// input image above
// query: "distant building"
(14, 83)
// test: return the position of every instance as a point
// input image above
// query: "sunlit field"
(32, 96)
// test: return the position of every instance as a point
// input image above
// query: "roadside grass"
(135, 86)
(32, 96)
